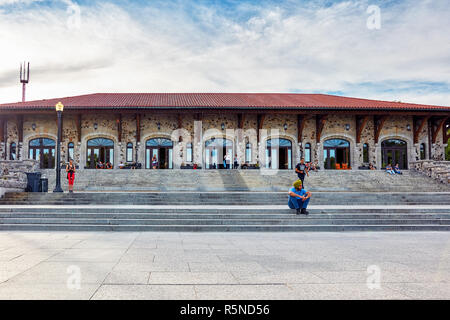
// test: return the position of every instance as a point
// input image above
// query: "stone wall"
(12, 174)
(335, 127)
(438, 170)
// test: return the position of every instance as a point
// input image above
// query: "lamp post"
(59, 109)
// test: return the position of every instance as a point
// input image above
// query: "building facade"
(264, 130)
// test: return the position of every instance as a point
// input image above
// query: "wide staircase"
(219, 200)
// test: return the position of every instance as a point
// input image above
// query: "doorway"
(100, 149)
(336, 154)
(394, 151)
(162, 148)
(43, 150)
(279, 154)
(215, 150)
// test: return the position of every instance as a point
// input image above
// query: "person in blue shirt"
(397, 169)
(299, 198)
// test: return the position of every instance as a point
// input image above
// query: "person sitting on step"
(397, 169)
(299, 198)
(389, 169)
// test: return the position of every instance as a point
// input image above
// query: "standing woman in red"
(70, 169)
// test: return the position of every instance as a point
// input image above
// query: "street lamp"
(59, 109)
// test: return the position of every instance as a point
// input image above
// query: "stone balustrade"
(438, 170)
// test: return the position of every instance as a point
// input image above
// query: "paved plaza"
(156, 265)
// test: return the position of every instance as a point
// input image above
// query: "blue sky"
(80, 47)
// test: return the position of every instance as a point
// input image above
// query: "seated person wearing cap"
(299, 198)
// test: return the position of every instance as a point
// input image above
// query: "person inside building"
(236, 165)
(299, 198)
(301, 169)
(389, 169)
(154, 162)
(397, 169)
(100, 165)
(70, 169)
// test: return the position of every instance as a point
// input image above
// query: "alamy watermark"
(374, 19)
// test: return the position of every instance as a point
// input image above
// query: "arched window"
(12, 151)
(129, 152)
(100, 149)
(248, 152)
(307, 152)
(279, 154)
(394, 151)
(43, 150)
(70, 148)
(215, 151)
(365, 153)
(162, 148)
(336, 154)
(423, 154)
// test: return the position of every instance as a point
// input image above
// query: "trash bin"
(33, 181)
(44, 185)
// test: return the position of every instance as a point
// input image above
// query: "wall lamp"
(223, 126)
(285, 127)
(33, 126)
(95, 126)
(408, 127)
(347, 127)
(158, 124)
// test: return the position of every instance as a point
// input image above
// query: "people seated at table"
(371, 167)
(100, 165)
(108, 165)
(121, 165)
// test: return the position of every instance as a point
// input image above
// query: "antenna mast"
(24, 78)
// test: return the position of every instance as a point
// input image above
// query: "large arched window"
(162, 148)
(423, 154)
(70, 149)
(336, 154)
(307, 155)
(129, 152)
(100, 150)
(43, 150)
(279, 154)
(365, 153)
(394, 151)
(12, 151)
(215, 151)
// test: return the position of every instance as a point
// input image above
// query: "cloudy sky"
(304, 46)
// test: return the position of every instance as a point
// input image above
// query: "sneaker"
(298, 211)
(304, 211)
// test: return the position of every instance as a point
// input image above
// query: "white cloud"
(277, 49)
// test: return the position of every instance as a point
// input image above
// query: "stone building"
(261, 130)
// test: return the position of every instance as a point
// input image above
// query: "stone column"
(2, 150)
(358, 161)
(197, 144)
(19, 151)
(378, 157)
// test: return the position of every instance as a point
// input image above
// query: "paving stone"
(145, 292)
(191, 278)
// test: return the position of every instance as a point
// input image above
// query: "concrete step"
(223, 228)
(222, 198)
(246, 180)
(300, 220)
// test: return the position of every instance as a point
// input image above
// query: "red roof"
(218, 100)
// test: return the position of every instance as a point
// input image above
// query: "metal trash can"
(33, 181)
(44, 185)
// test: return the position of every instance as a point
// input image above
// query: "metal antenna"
(24, 77)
